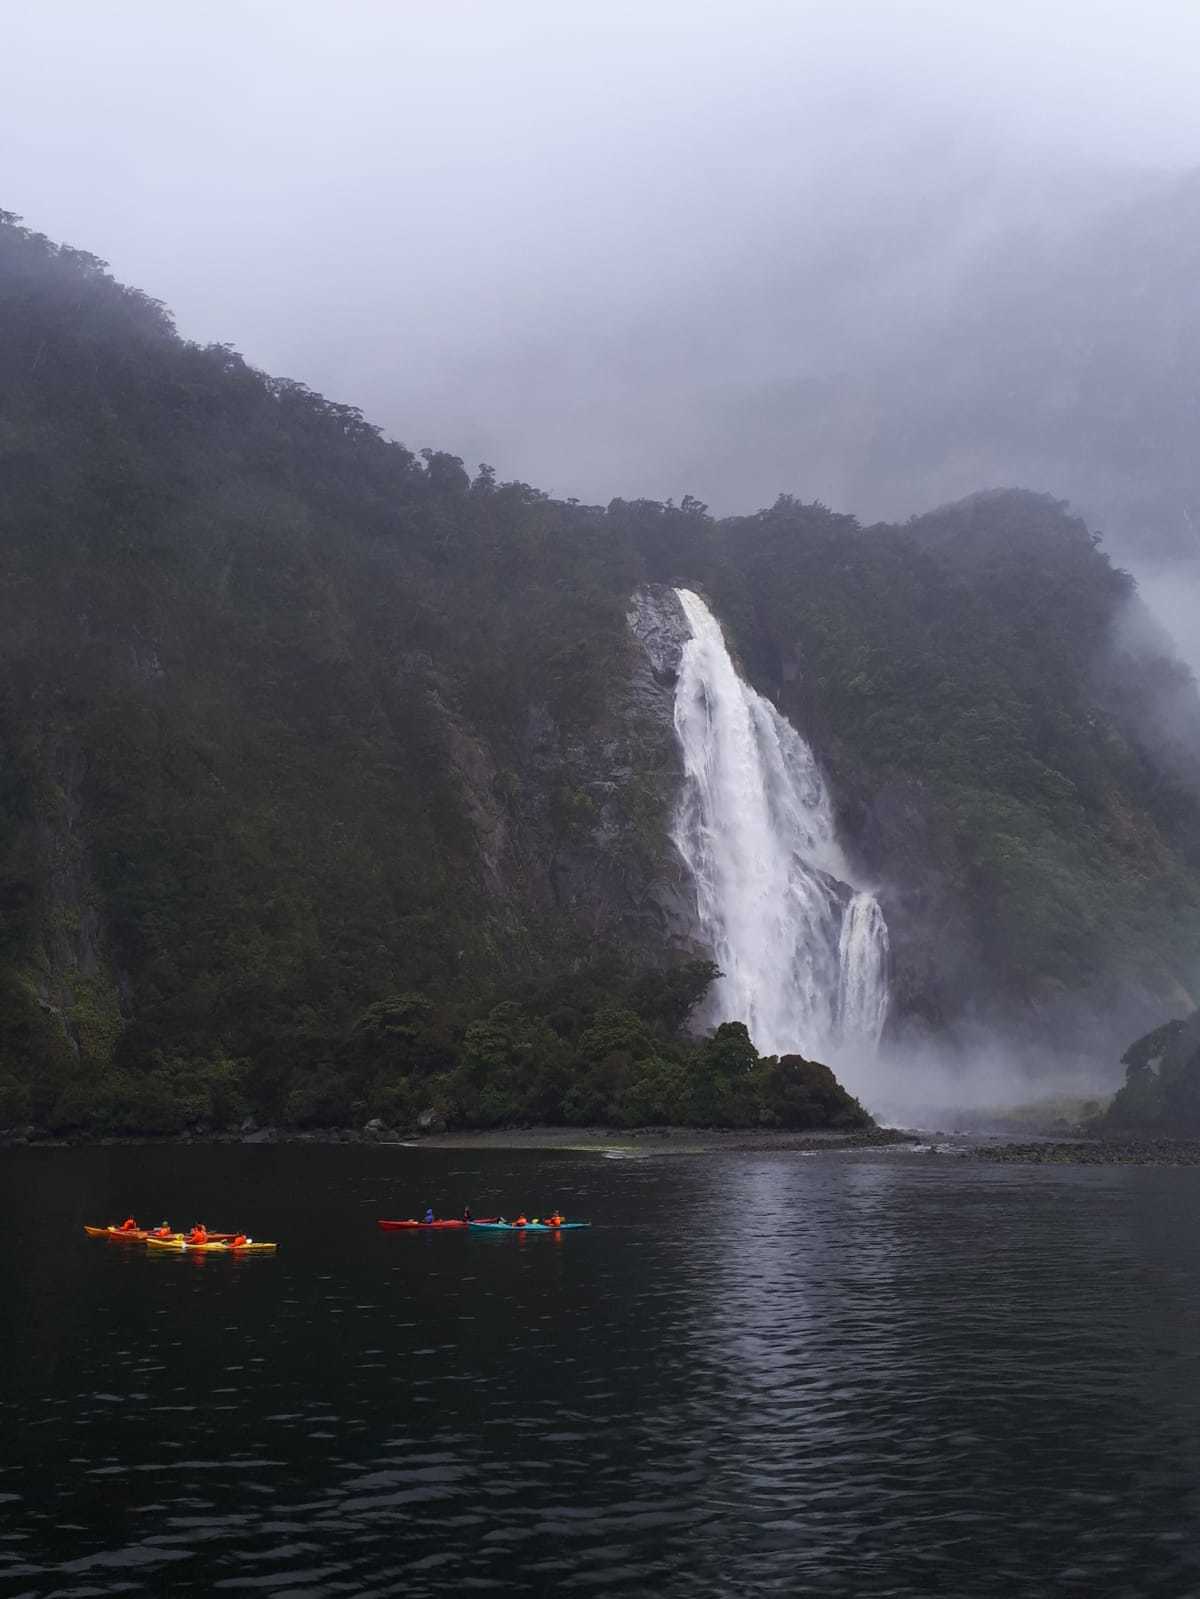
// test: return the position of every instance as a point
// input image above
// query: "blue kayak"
(527, 1227)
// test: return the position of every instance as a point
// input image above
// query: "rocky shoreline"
(1093, 1152)
(641, 1140)
(647, 1141)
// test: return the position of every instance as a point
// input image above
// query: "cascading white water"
(803, 955)
(862, 970)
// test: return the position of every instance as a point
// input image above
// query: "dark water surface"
(758, 1374)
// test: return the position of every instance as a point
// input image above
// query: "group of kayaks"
(198, 1241)
(496, 1224)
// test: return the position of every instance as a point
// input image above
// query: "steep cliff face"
(596, 812)
(936, 956)
(573, 835)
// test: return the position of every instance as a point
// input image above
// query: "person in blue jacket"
(428, 1213)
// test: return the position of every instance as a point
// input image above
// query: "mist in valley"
(982, 1082)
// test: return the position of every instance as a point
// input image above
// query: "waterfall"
(862, 969)
(803, 954)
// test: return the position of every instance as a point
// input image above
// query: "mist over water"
(803, 956)
(977, 1084)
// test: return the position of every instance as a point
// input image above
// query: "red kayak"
(404, 1226)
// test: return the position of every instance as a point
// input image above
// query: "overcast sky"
(564, 236)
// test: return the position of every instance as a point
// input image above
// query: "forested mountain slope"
(296, 725)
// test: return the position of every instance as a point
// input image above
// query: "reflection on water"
(885, 1375)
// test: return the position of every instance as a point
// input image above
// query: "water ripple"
(761, 1375)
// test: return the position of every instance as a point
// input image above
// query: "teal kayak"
(527, 1227)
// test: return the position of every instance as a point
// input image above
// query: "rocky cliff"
(1161, 1094)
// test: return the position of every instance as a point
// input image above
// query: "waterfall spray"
(803, 956)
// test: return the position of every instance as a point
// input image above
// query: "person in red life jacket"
(521, 1221)
(128, 1225)
(238, 1240)
(162, 1232)
(198, 1234)
(556, 1220)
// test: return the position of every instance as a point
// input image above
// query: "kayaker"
(466, 1212)
(129, 1225)
(238, 1240)
(198, 1234)
(521, 1221)
(428, 1215)
(556, 1220)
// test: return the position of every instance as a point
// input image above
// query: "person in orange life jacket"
(128, 1225)
(238, 1240)
(198, 1235)
(556, 1220)
(521, 1221)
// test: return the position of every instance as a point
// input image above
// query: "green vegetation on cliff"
(585, 1052)
(313, 751)
(598, 1046)
(290, 719)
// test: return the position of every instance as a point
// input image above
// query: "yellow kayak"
(215, 1246)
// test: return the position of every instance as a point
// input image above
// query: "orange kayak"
(128, 1235)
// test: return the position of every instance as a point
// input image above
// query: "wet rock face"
(657, 621)
(594, 813)
(895, 831)
(613, 869)
(660, 630)
(571, 826)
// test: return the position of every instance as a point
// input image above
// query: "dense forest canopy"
(321, 773)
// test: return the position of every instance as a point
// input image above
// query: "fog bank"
(656, 249)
